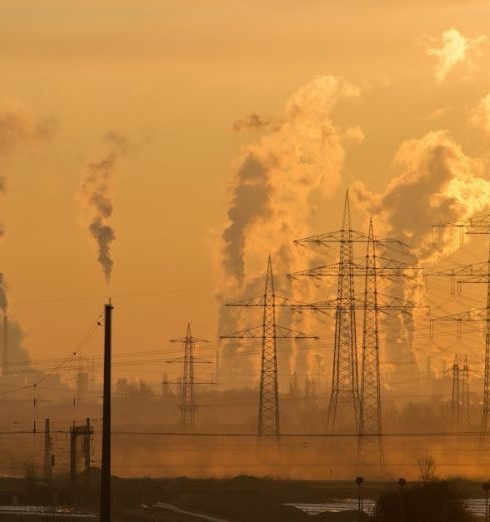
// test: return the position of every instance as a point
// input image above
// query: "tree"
(431, 501)
(427, 468)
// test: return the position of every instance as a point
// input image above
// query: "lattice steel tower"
(269, 332)
(370, 432)
(344, 398)
(456, 393)
(474, 273)
(188, 404)
(465, 392)
(351, 407)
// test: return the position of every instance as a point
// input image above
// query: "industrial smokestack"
(105, 483)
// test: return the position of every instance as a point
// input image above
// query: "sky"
(174, 78)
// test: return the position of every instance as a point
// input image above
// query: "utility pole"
(269, 332)
(188, 404)
(48, 452)
(475, 273)
(105, 484)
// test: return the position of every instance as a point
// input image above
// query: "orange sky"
(173, 76)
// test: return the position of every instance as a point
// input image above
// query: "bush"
(435, 501)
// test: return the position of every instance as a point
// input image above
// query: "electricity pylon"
(187, 403)
(269, 332)
(345, 402)
(475, 273)
(465, 392)
(456, 394)
(370, 407)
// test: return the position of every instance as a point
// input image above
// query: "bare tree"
(427, 468)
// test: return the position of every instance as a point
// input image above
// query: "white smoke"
(96, 190)
(438, 183)
(480, 116)
(270, 194)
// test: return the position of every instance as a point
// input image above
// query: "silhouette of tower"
(474, 273)
(370, 406)
(456, 394)
(465, 393)
(269, 332)
(187, 392)
(344, 397)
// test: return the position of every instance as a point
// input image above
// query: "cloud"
(455, 49)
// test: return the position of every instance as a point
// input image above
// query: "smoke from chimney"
(96, 193)
(300, 156)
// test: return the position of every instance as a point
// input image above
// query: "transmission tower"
(456, 394)
(344, 409)
(269, 332)
(188, 404)
(474, 273)
(370, 408)
(465, 392)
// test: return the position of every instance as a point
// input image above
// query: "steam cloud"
(252, 121)
(438, 183)
(480, 116)
(275, 178)
(274, 181)
(455, 49)
(18, 128)
(96, 192)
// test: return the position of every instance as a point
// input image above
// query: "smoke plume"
(454, 49)
(253, 121)
(438, 183)
(274, 180)
(18, 127)
(96, 193)
(480, 116)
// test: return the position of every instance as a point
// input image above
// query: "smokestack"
(5, 360)
(105, 483)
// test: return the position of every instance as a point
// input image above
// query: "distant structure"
(460, 393)
(5, 345)
(80, 447)
(471, 274)
(48, 461)
(370, 431)
(456, 394)
(188, 404)
(344, 410)
(465, 392)
(269, 332)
